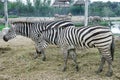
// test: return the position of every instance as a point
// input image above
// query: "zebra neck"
(23, 31)
(51, 36)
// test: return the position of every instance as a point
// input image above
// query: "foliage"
(107, 12)
(77, 10)
(43, 8)
(1, 8)
(104, 9)
(103, 23)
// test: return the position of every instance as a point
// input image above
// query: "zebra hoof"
(77, 68)
(109, 74)
(64, 69)
(43, 59)
(98, 71)
(35, 57)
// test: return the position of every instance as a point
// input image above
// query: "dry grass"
(17, 63)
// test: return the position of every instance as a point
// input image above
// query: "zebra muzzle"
(5, 39)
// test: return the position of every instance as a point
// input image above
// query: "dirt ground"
(17, 63)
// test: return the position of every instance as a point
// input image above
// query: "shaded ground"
(17, 63)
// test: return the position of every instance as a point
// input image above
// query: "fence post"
(86, 13)
(6, 13)
(6, 18)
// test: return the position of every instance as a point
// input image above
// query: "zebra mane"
(23, 22)
(31, 22)
(45, 25)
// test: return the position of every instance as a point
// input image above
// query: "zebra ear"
(39, 35)
(12, 25)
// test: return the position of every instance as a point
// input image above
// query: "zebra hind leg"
(72, 52)
(106, 56)
(100, 69)
(110, 71)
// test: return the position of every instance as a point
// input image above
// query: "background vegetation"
(43, 9)
(39, 8)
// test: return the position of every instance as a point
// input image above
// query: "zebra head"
(11, 33)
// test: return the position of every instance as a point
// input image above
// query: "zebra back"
(84, 37)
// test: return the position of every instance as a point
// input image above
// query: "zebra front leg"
(100, 69)
(72, 52)
(43, 55)
(65, 55)
(38, 53)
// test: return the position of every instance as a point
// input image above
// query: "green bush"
(1, 16)
(12, 16)
(79, 24)
(103, 23)
(1, 27)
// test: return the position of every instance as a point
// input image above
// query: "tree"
(43, 8)
(96, 8)
(107, 12)
(77, 10)
(37, 6)
(21, 8)
(1, 9)
(29, 7)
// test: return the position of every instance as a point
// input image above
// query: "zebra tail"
(112, 48)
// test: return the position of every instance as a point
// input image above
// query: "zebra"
(32, 29)
(71, 38)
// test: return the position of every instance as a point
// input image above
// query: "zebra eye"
(9, 31)
(38, 35)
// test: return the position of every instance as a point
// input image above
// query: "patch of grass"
(1, 16)
(103, 23)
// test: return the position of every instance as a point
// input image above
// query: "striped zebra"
(71, 38)
(32, 29)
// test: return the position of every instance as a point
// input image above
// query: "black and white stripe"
(71, 38)
(33, 30)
